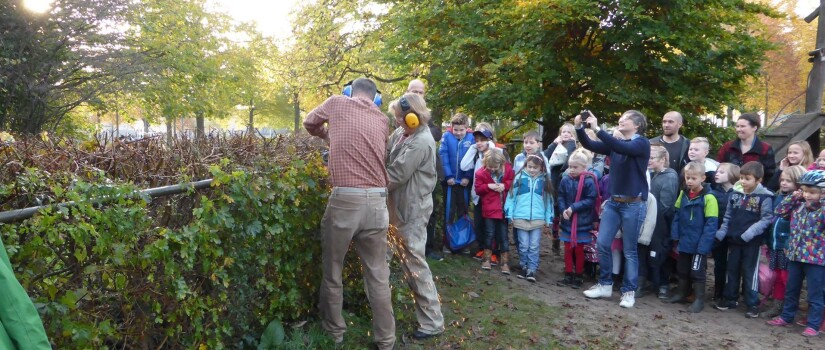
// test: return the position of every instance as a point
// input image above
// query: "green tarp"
(20, 324)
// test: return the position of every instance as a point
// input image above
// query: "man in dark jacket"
(676, 145)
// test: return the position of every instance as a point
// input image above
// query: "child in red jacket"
(492, 182)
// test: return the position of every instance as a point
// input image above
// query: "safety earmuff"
(348, 93)
(410, 117)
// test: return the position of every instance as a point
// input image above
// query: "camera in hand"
(586, 114)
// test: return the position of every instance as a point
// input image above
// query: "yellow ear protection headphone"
(410, 117)
(348, 93)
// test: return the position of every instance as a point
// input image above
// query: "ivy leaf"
(273, 336)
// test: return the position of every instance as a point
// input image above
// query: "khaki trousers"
(411, 249)
(359, 216)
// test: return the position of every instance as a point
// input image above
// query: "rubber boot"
(699, 301)
(578, 280)
(640, 288)
(682, 291)
(505, 263)
(567, 281)
(485, 262)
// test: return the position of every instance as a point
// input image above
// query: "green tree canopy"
(545, 60)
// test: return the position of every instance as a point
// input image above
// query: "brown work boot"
(505, 266)
(485, 262)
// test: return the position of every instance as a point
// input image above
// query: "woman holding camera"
(625, 206)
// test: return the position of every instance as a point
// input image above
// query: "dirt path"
(652, 324)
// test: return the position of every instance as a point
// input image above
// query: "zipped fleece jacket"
(807, 243)
(761, 152)
(585, 207)
(780, 230)
(526, 199)
(722, 199)
(747, 216)
(451, 151)
(411, 174)
(694, 224)
(664, 185)
(492, 202)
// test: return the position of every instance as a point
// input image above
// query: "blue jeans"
(628, 217)
(816, 280)
(528, 248)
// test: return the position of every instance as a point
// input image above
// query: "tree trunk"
(169, 132)
(199, 125)
(251, 127)
(117, 122)
(297, 110)
(813, 98)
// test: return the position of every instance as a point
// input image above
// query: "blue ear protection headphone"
(410, 117)
(348, 93)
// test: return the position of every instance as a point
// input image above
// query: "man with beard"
(676, 145)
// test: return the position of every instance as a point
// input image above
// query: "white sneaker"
(628, 299)
(599, 291)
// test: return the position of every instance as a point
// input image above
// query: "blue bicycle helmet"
(815, 178)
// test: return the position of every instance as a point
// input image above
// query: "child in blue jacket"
(529, 206)
(454, 145)
(578, 216)
(692, 231)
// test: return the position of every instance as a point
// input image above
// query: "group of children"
(706, 208)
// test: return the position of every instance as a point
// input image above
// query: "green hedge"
(206, 269)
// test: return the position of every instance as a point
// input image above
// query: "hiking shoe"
(628, 299)
(485, 265)
(479, 256)
(723, 305)
(599, 291)
(753, 312)
(494, 260)
(531, 276)
(435, 256)
(419, 335)
(663, 292)
(810, 332)
(778, 322)
(505, 269)
(521, 274)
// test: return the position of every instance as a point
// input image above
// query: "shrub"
(206, 268)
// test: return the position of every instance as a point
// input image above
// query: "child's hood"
(759, 189)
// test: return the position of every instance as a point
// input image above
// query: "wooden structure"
(805, 126)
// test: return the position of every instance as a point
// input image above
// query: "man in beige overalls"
(412, 178)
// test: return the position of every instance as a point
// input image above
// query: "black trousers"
(720, 268)
(692, 266)
(433, 244)
(742, 263)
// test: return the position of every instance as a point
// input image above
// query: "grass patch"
(482, 310)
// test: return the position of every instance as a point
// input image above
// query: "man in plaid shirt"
(357, 208)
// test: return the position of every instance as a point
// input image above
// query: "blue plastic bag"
(460, 233)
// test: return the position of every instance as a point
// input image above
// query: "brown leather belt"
(627, 199)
